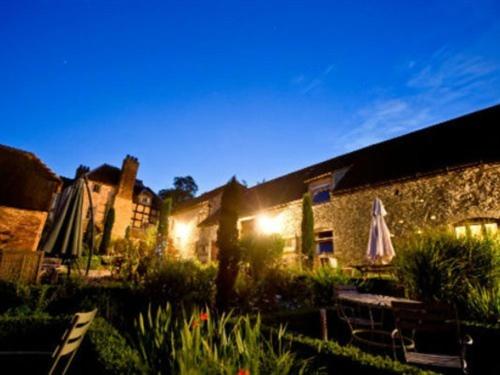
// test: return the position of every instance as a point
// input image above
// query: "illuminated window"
(477, 228)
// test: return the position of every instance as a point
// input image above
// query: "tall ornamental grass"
(201, 343)
(441, 267)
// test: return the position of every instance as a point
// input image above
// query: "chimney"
(128, 175)
(81, 170)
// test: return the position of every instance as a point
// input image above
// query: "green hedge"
(103, 351)
(339, 359)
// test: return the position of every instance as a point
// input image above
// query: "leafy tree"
(108, 227)
(166, 207)
(307, 229)
(184, 188)
(262, 252)
(227, 241)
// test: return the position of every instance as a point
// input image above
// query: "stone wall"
(123, 216)
(101, 201)
(20, 229)
(415, 206)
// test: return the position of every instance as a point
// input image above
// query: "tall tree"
(307, 229)
(227, 241)
(166, 207)
(184, 188)
(106, 234)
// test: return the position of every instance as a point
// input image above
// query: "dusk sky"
(255, 89)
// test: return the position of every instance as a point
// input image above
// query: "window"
(145, 200)
(324, 242)
(477, 228)
(319, 188)
(321, 196)
(96, 188)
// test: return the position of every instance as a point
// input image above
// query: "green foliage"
(166, 207)
(103, 351)
(324, 280)
(338, 359)
(185, 188)
(218, 345)
(180, 282)
(441, 267)
(262, 252)
(307, 230)
(483, 304)
(108, 227)
(227, 241)
(111, 351)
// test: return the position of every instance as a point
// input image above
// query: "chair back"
(422, 317)
(71, 339)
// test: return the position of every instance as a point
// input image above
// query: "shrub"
(218, 345)
(104, 350)
(444, 268)
(181, 282)
(262, 252)
(483, 305)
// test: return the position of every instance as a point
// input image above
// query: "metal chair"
(68, 346)
(440, 323)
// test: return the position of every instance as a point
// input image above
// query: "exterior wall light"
(182, 231)
(269, 224)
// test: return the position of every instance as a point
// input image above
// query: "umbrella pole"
(91, 205)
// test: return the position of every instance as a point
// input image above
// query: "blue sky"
(252, 88)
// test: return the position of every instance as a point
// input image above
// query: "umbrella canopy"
(66, 238)
(379, 244)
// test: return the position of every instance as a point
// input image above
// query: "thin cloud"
(309, 85)
(446, 83)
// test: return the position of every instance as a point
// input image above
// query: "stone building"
(136, 205)
(27, 190)
(444, 176)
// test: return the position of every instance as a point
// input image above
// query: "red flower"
(243, 371)
(203, 316)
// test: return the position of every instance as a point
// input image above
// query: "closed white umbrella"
(379, 244)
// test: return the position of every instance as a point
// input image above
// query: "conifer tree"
(166, 207)
(307, 229)
(227, 242)
(106, 234)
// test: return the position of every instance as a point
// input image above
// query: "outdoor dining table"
(371, 337)
(371, 300)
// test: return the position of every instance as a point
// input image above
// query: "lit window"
(491, 228)
(460, 231)
(477, 228)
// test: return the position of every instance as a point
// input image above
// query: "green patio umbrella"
(66, 236)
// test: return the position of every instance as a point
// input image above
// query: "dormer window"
(320, 188)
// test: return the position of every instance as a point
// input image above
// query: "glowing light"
(269, 225)
(182, 230)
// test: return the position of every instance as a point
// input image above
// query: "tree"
(108, 227)
(307, 229)
(166, 207)
(184, 188)
(227, 241)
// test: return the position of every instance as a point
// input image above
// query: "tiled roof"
(106, 174)
(470, 139)
(26, 182)
(186, 205)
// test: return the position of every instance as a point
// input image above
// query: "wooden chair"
(441, 325)
(68, 346)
